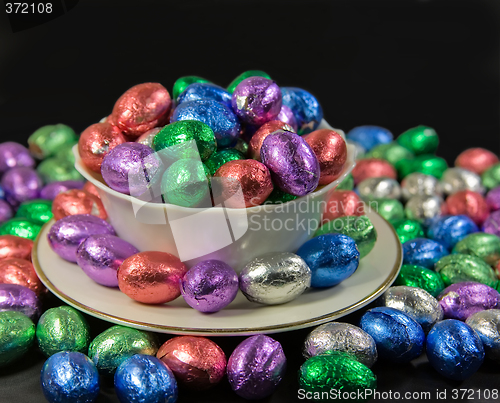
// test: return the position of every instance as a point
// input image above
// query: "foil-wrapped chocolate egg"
(331, 151)
(96, 141)
(76, 201)
(461, 300)
(419, 184)
(373, 168)
(17, 333)
(469, 203)
(399, 338)
(343, 337)
(242, 183)
(428, 164)
(457, 268)
(50, 191)
(419, 140)
(482, 245)
(487, 326)
(209, 286)
(457, 179)
(379, 188)
(196, 91)
(57, 170)
(408, 229)
(219, 117)
(476, 160)
(37, 210)
(118, 343)
(21, 184)
(100, 256)
(92, 189)
(22, 272)
(423, 252)
(389, 209)
(343, 203)
(392, 152)
(492, 224)
(131, 168)
(243, 76)
(256, 367)
(219, 158)
(151, 277)
(62, 329)
(491, 177)
(275, 278)
(148, 137)
(416, 303)
(256, 100)
(305, 107)
(15, 297)
(422, 208)
(293, 164)
(197, 362)
(6, 212)
(332, 258)
(141, 108)
(449, 230)
(370, 136)
(183, 82)
(14, 155)
(454, 349)
(262, 132)
(12, 246)
(286, 115)
(47, 140)
(421, 277)
(493, 199)
(347, 183)
(66, 235)
(21, 227)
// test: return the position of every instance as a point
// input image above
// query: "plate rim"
(224, 331)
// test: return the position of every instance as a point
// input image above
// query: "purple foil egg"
(6, 212)
(293, 164)
(100, 256)
(50, 191)
(256, 100)
(131, 168)
(209, 286)
(286, 115)
(21, 184)
(493, 199)
(69, 232)
(492, 224)
(256, 367)
(461, 300)
(14, 155)
(15, 297)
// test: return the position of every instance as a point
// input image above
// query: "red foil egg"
(76, 201)
(15, 247)
(142, 108)
(196, 362)
(476, 160)
(22, 272)
(262, 132)
(342, 203)
(372, 168)
(91, 188)
(242, 183)
(151, 277)
(96, 141)
(469, 203)
(331, 151)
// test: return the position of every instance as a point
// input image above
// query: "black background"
(393, 63)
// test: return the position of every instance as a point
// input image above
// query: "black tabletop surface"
(392, 63)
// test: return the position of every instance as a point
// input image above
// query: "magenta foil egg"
(21, 184)
(50, 191)
(492, 223)
(15, 297)
(286, 115)
(14, 155)
(100, 256)
(493, 199)
(256, 100)
(209, 286)
(6, 212)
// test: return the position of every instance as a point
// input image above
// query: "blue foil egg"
(398, 337)
(218, 116)
(423, 252)
(69, 377)
(205, 91)
(142, 378)
(332, 258)
(454, 349)
(370, 136)
(451, 229)
(305, 107)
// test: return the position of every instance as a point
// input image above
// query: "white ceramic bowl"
(234, 236)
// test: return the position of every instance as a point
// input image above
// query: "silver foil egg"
(379, 188)
(423, 207)
(415, 302)
(457, 179)
(275, 278)
(419, 184)
(487, 326)
(344, 337)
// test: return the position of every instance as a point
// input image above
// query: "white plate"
(375, 274)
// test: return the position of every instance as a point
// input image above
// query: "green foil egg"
(241, 146)
(22, 227)
(58, 170)
(38, 210)
(408, 229)
(17, 333)
(390, 209)
(427, 164)
(244, 75)
(62, 329)
(183, 82)
(113, 346)
(392, 152)
(65, 153)
(336, 372)
(174, 141)
(346, 184)
(421, 277)
(219, 158)
(359, 228)
(419, 140)
(278, 196)
(484, 246)
(491, 177)
(47, 140)
(457, 268)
